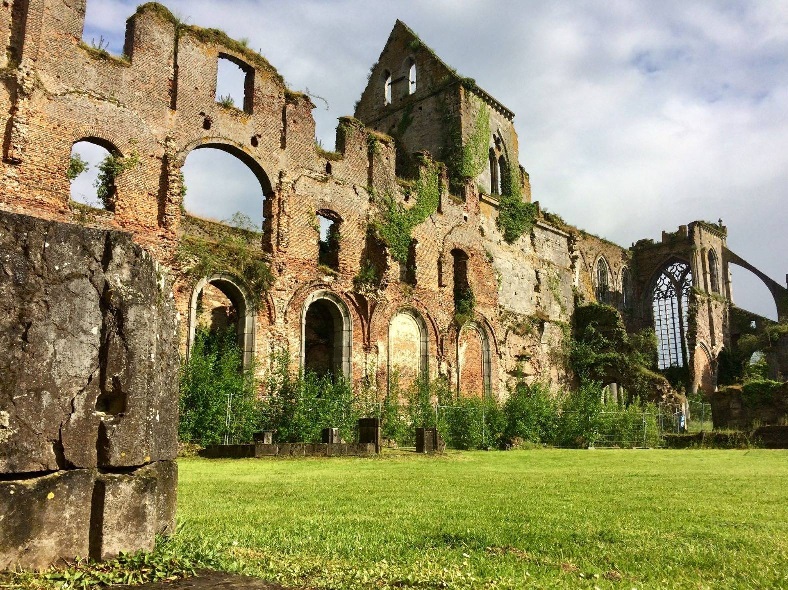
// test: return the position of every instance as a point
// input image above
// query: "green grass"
(518, 519)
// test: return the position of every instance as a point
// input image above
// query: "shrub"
(579, 424)
(530, 413)
(299, 406)
(218, 401)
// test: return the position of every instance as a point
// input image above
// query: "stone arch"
(326, 334)
(704, 373)
(474, 365)
(266, 207)
(777, 291)
(233, 148)
(237, 293)
(626, 289)
(408, 346)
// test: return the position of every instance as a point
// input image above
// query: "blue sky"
(633, 116)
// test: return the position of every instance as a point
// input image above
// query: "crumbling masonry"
(438, 263)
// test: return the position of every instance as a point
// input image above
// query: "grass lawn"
(517, 519)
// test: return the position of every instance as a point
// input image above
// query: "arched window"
(326, 335)
(670, 304)
(223, 184)
(714, 277)
(411, 76)
(408, 358)
(602, 281)
(92, 170)
(386, 87)
(220, 305)
(626, 289)
(495, 184)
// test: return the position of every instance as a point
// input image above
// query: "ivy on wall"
(231, 254)
(515, 216)
(395, 223)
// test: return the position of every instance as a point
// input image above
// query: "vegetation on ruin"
(367, 278)
(218, 398)
(464, 304)
(395, 223)
(602, 350)
(231, 253)
(227, 102)
(76, 166)
(109, 169)
(515, 216)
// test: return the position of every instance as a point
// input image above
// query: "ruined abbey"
(437, 261)
(415, 249)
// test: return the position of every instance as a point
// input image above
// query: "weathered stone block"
(88, 350)
(45, 519)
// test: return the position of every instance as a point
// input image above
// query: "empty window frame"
(714, 275)
(495, 175)
(670, 304)
(234, 83)
(386, 87)
(328, 239)
(626, 289)
(602, 281)
(411, 76)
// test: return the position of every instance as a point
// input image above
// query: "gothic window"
(495, 184)
(386, 87)
(602, 281)
(670, 303)
(411, 76)
(504, 182)
(714, 277)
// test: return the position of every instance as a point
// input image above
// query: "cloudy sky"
(633, 117)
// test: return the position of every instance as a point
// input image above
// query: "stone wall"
(88, 397)
(157, 104)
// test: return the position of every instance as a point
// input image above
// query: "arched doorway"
(326, 335)
(218, 303)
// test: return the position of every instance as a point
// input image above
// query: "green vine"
(464, 304)
(76, 166)
(395, 223)
(109, 169)
(231, 254)
(515, 216)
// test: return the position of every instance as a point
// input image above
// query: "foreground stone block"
(45, 519)
(88, 394)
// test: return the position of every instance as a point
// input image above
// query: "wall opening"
(326, 336)
(462, 288)
(714, 273)
(91, 173)
(495, 174)
(220, 306)
(407, 271)
(602, 281)
(670, 306)
(234, 83)
(386, 87)
(411, 75)
(222, 187)
(626, 289)
(328, 239)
